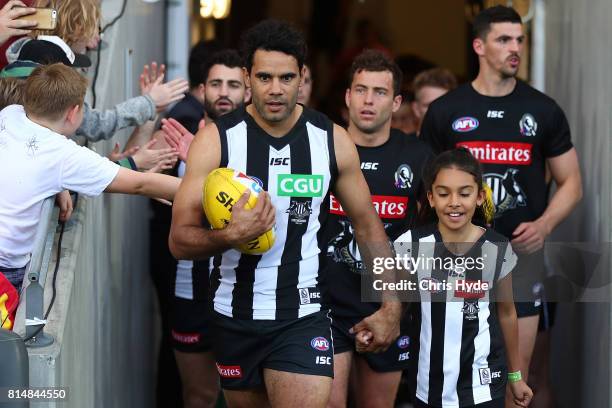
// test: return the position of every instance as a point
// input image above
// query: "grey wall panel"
(578, 37)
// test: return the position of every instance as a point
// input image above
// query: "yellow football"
(222, 189)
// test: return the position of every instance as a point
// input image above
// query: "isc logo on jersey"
(319, 343)
(300, 185)
(465, 124)
(369, 166)
(222, 189)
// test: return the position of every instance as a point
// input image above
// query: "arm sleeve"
(508, 263)
(98, 125)
(86, 172)
(559, 140)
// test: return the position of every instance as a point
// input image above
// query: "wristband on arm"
(128, 163)
(515, 376)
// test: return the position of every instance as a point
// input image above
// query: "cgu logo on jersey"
(386, 206)
(465, 124)
(319, 343)
(499, 152)
(300, 185)
(299, 211)
(528, 125)
(507, 192)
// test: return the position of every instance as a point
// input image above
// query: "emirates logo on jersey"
(500, 152)
(229, 371)
(186, 338)
(386, 206)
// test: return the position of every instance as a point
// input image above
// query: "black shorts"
(394, 359)
(496, 403)
(243, 348)
(527, 279)
(190, 325)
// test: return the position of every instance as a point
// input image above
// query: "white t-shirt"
(36, 163)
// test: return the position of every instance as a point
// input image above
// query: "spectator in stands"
(99, 125)
(428, 86)
(78, 29)
(78, 25)
(12, 80)
(10, 27)
(43, 162)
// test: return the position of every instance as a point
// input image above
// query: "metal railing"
(37, 276)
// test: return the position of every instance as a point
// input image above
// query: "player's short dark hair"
(498, 14)
(435, 77)
(375, 61)
(228, 57)
(273, 35)
(197, 61)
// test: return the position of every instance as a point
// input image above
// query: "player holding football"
(271, 334)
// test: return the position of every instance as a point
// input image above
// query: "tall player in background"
(271, 334)
(391, 162)
(513, 130)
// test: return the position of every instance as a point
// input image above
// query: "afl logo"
(403, 342)
(465, 124)
(319, 343)
(258, 185)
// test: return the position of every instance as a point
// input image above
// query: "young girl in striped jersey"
(464, 346)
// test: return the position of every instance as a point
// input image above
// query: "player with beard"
(222, 91)
(224, 88)
(391, 162)
(514, 131)
(271, 333)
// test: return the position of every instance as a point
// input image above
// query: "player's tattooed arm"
(353, 193)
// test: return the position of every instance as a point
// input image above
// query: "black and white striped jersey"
(191, 280)
(457, 346)
(297, 171)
